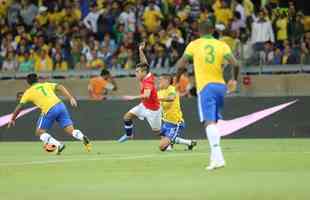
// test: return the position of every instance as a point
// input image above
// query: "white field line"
(124, 157)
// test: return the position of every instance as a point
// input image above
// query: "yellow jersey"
(172, 112)
(208, 55)
(42, 95)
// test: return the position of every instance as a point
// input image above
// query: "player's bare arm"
(169, 98)
(67, 94)
(146, 94)
(141, 53)
(182, 63)
(17, 110)
(232, 84)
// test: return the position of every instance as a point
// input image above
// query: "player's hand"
(11, 123)
(232, 86)
(73, 102)
(142, 46)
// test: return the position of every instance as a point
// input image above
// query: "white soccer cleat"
(215, 165)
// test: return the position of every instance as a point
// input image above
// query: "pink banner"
(230, 126)
(6, 118)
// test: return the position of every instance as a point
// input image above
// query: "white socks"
(214, 142)
(48, 139)
(77, 134)
(179, 140)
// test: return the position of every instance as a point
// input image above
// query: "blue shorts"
(58, 113)
(211, 102)
(170, 130)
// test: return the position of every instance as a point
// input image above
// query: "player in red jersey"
(149, 108)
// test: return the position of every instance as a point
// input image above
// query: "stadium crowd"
(44, 35)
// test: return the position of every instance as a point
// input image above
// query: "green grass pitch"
(257, 169)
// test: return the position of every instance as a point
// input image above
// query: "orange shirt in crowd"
(96, 87)
(182, 86)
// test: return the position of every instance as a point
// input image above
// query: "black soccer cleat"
(86, 143)
(60, 148)
(193, 144)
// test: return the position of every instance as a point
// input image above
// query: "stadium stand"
(75, 37)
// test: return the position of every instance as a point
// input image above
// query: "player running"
(173, 122)
(52, 108)
(149, 108)
(208, 54)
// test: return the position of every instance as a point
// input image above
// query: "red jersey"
(152, 102)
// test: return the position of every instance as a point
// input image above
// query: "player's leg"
(77, 134)
(154, 119)
(45, 122)
(64, 120)
(128, 122)
(164, 143)
(210, 101)
(179, 140)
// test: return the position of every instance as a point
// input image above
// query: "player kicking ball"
(173, 122)
(149, 108)
(208, 54)
(52, 108)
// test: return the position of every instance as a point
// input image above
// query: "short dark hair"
(206, 27)
(143, 66)
(32, 78)
(168, 77)
(105, 72)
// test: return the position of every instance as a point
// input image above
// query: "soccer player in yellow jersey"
(208, 54)
(173, 122)
(43, 96)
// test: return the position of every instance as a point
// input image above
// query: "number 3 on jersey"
(41, 89)
(210, 54)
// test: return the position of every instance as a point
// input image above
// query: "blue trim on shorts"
(58, 113)
(211, 102)
(171, 131)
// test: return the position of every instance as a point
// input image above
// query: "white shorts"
(152, 116)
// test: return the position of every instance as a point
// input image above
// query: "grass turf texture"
(256, 169)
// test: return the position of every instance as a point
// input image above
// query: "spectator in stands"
(42, 18)
(99, 86)
(296, 27)
(109, 43)
(106, 22)
(82, 63)
(130, 62)
(13, 13)
(10, 62)
(59, 63)
(43, 62)
(152, 17)
(27, 64)
(28, 12)
(288, 57)
(240, 9)
(268, 55)
(277, 60)
(119, 33)
(105, 55)
(305, 54)
(223, 13)
(237, 23)
(121, 57)
(261, 32)
(281, 25)
(91, 20)
(160, 59)
(95, 62)
(128, 18)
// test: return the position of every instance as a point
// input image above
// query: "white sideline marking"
(128, 157)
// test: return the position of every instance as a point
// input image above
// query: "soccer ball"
(49, 147)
